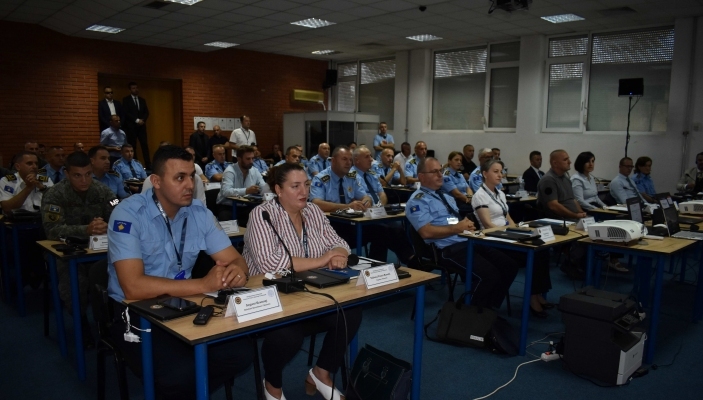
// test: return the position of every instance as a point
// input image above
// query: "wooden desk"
(573, 235)
(15, 227)
(73, 261)
(359, 222)
(296, 307)
(646, 250)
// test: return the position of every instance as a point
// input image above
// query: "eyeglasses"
(108, 92)
(627, 166)
(434, 171)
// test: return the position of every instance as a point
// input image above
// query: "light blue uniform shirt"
(325, 186)
(305, 167)
(113, 138)
(261, 165)
(644, 183)
(377, 142)
(476, 180)
(372, 177)
(213, 167)
(113, 180)
(50, 173)
(622, 188)
(138, 230)
(122, 167)
(317, 164)
(234, 184)
(454, 180)
(426, 207)
(411, 167)
(383, 171)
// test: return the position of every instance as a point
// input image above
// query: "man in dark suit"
(198, 141)
(107, 108)
(136, 113)
(532, 175)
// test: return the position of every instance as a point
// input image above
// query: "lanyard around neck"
(179, 253)
(503, 207)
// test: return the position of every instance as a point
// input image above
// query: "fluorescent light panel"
(104, 29)
(313, 23)
(558, 19)
(223, 45)
(186, 2)
(424, 38)
(324, 52)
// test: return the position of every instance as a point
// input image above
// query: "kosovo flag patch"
(414, 209)
(122, 226)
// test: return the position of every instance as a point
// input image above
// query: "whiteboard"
(225, 123)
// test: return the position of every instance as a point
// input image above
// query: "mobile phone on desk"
(178, 304)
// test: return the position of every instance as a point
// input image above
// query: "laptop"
(513, 235)
(321, 279)
(634, 209)
(666, 214)
(152, 308)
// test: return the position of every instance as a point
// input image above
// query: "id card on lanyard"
(181, 274)
(503, 206)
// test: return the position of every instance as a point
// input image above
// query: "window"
(583, 74)
(463, 79)
(640, 54)
(377, 90)
(346, 87)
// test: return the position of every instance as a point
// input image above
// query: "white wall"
(664, 149)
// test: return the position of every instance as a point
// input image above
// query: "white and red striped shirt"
(264, 252)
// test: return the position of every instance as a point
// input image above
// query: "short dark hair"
(279, 174)
(641, 162)
(351, 143)
(290, 148)
(168, 152)
(467, 145)
(242, 150)
(126, 145)
(534, 153)
(404, 144)
(129, 85)
(582, 159)
(624, 159)
(41, 146)
(23, 153)
(95, 149)
(77, 159)
(201, 122)
(699, 154)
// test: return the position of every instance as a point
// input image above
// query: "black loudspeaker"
(631, 87)
(330, 79)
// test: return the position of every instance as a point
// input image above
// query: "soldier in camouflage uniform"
(77, 206)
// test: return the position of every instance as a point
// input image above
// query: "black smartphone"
(178, 304)
(61, 247)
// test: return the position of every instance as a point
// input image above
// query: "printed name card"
(377, 276)
(375, 212)
(98, 242)
(584, 222)
(212, 185)
(253, 304)
(230, 227)
(522, 194)
(546, 234)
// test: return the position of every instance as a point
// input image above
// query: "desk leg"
(656, 303)
(201, 384)
(60, 327)
(5, 267)
(682, 278)
(18, 272)
(234, 209)
(469, 269)
(526, 301)
(589, 265)
(147, 360)
(644, 266)
(359, 245)
(698, 305)
(77, 324)
(417, 342)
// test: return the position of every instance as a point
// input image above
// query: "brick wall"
(49, 85)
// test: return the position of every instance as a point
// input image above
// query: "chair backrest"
(421, 249)
(211, 200)
(99, 299)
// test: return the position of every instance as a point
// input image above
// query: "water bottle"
(521, 182)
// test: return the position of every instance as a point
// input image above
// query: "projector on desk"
(616, 231)
(691, 207)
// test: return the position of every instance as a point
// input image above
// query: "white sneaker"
(616, 266)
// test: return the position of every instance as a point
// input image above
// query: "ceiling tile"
(184, 18)
(393, 5)
(339, 17)
(220, 5)
(263, 22)
(364, 11)
(336, 5)
(210, 22)
(147, 12)
(232, 17)
(277, 5)
(254, 11)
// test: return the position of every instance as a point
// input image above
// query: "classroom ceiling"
(362, 29)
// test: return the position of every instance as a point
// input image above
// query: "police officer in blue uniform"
(321, 160)
(154, 239)
(100, 163)
(414, 160)
(435, 216)
(383, 140)
(259, 163)
(127, 166)
(216, 168)
(303, 159)
(455, 185)
(389, 172)
(54, 167)
(293, 156)
(476, 178)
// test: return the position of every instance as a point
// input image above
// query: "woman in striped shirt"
(313, 244)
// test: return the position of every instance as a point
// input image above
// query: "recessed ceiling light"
(186, 2)
(325, 52)
(424, 38)
(313, 23)
(104, 29)
(558, 19)
(223, 45)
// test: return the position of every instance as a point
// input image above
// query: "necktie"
(57, 177)
(324, 163)
(385, 171)
(342, 197)
(131, 168)
(136, 101)
(222, 168)
(373, 194)
(452, 211)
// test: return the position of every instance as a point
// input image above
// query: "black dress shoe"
(538, 314)
(548, 305)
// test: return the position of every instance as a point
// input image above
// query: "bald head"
(323, 150)
(559, 161)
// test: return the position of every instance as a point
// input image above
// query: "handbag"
(378, 375)
(463, 324)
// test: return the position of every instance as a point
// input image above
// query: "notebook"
(688, 235)
(321, 279)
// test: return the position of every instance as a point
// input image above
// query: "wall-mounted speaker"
(631, 87)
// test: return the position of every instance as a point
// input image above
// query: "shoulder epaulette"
(325, 178)
(11, 177)
(113, 172)
(42, 178)
(303, 158)
(351, 174)
(118, 162)
(372, 172)
(41, 171)
(413, 161)
(446, 172)
(419, 195)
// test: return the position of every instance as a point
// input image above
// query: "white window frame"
(489, 69)
(357, 81)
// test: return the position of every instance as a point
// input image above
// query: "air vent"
(698, 208)
(617, 233)
(617, 12)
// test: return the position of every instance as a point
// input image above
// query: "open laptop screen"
(668, 211)
(634, 209)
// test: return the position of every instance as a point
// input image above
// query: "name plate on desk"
(230, 227)
(522, 194)
(212, 185)
(98, 242)
(584, 222)
(377, 276)
(375, 212)
(253, 304)
(546, 234)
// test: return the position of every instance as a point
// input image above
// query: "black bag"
(377, 375)
(22, 215)
(463, 324)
